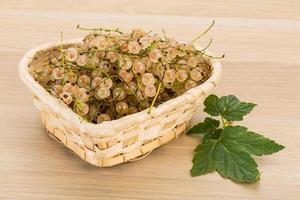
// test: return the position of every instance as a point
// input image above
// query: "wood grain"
(261, 42)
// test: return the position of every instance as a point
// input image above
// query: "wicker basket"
(126, 139)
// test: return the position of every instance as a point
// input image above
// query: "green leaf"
(215, 135)
(229, 107)
(214, 155)
(203, 161)
(208, 126)
(210, 104)
(236, 165)
(232, 109)
(229, 150)
(238, 138)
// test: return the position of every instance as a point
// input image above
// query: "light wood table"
(261, 40)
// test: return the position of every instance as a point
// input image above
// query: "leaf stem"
(223, 121)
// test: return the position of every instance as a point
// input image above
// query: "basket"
(127, 139)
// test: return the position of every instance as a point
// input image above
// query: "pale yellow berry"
(127, 76)
(103, 93)
(58, 73)
(122, 107)
(125, 62)
(96, 81)
(181, 75)
(112, 56)
(148, 79)
(103, 117)
(150, 90)
(193, 61)
(132, 110)
(72, 54)
(57, 90)
(69, 88)
(107, 83)
(134, 47)
(190, 84)
(101, 43)
(154, 55)
(119, 93)
(83, 80)
(81, 94)
(138, 67)
(137, 33)
(82, 60)
(196, 74)
(169, 76)
(145, 41)
(66, 97)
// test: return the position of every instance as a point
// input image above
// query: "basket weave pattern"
(126, 139)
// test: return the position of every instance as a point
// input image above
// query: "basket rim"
(58, 106)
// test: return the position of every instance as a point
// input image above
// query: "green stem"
(223, 121)
(155, 97)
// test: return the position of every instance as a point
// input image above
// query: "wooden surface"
(261, 40)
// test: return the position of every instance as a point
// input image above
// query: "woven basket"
(126, 139)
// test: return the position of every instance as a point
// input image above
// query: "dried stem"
(117, 30)
(204, 32)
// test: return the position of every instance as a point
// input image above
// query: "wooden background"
(261, 40)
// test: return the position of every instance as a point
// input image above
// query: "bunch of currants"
(112, 74)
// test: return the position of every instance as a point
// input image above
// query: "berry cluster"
(112, 74)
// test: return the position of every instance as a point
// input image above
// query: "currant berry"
(81, 108)
(169, 76)
(56, 90)
(193, 61)
(134, 47)
(125, 62)
(81, 94)
(103, 117)
(125, 75)
(154, 55)
(190, 84)
(122, 107)
(82, 60)
(148, 79)
(104, 66)
(66, 97)
(119, 94)
(130, 87)
(96, 73)
(71, 77)
(96, 81)
(69, 88)
(150, 90)
(102, 93)
(112, 56)
(95, 61)
(181, 75)
(147, 62)
(132, 110)
(58, 73)
(138, 67)
(196, 75)
(106, 83)
(83, 80)
(72, 54)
